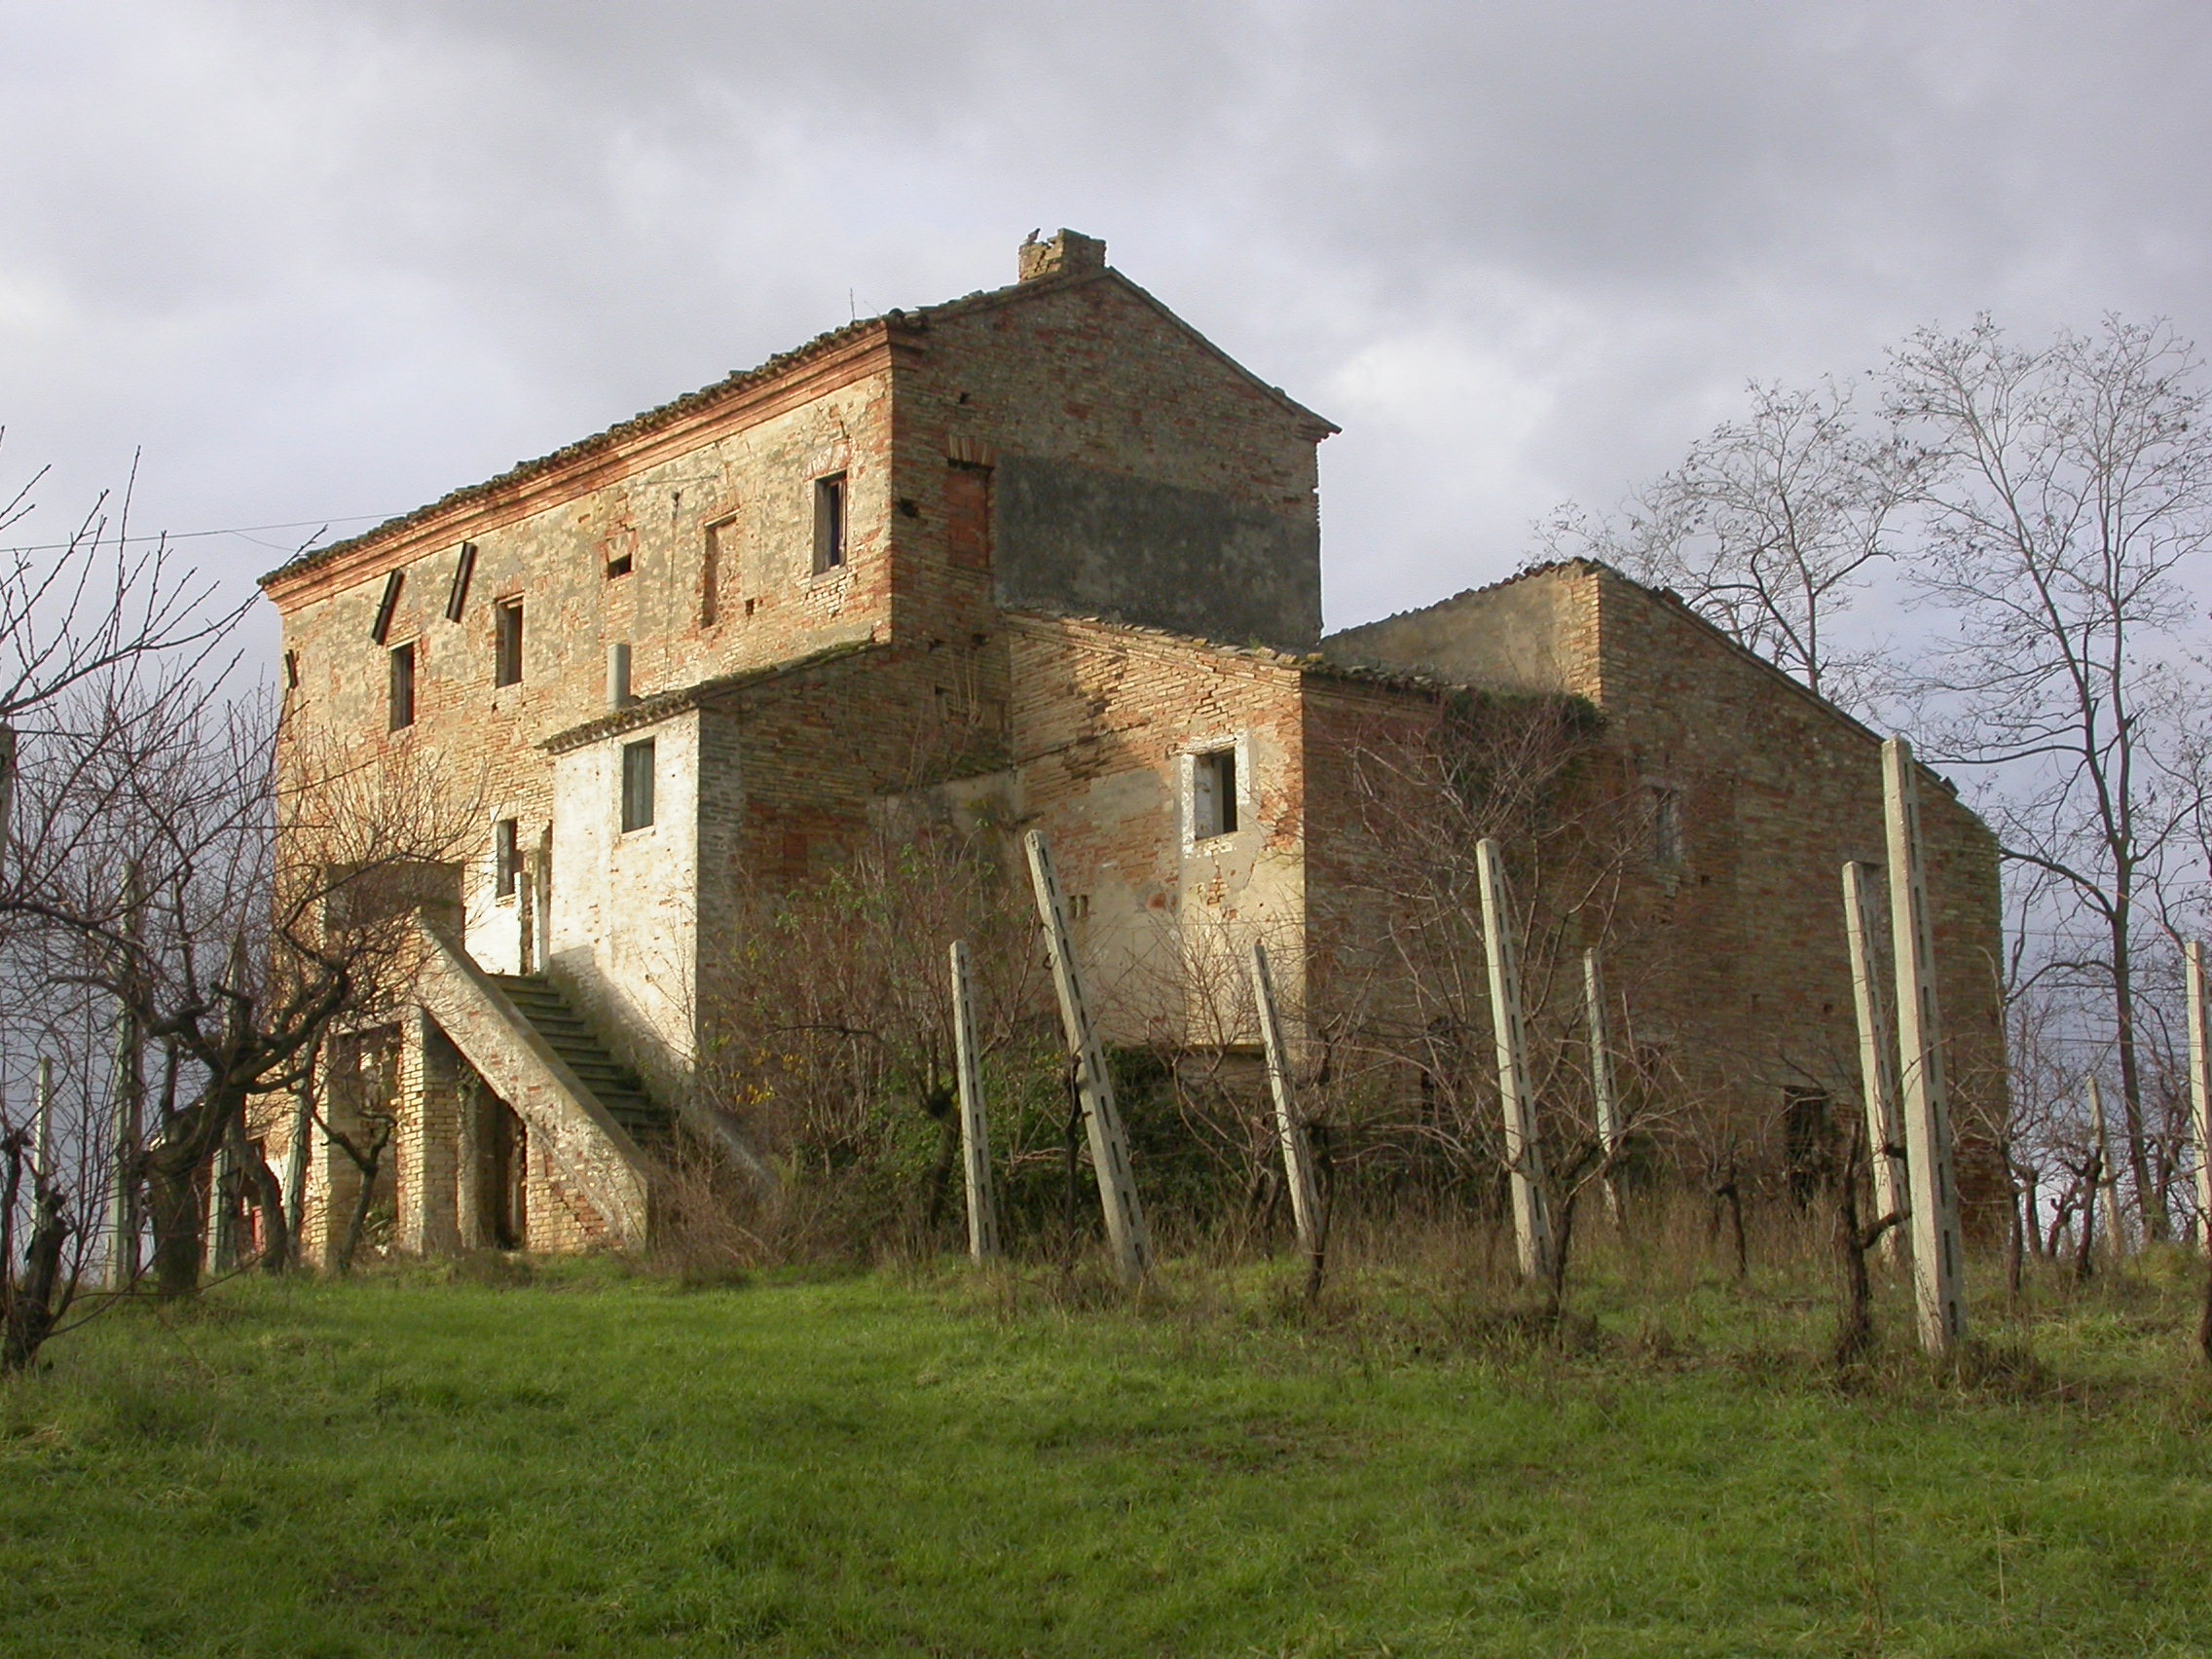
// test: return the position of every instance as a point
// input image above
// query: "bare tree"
(97, 600)
(1401, 1000)
(273, 892)
(1769, 527)
(2066, 486)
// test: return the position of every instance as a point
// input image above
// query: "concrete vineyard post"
(975, 1129)
(1938, 1254)
(216, 1247)
(2199, 1089)
(2108, 1177)
(1095, 1086)
(1290, 1127)
(1877, 1066)
(127, 1124)
(42, 1125)
(1531, 1221)
(1602, 1080)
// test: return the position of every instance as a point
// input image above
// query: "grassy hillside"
(586, 1463)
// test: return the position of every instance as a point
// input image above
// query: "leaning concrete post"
(2199, 1089)
(296, 1156)
(975, 1132)
(2108, 1176)
(1602, 1080)
(1877, 1066)
(42, 1126)
(1290, 1127)
(7, 792)
(129, 1125)
(1095, 1086)
(1531, 1223)
(217, 1246)
(1938, 1254)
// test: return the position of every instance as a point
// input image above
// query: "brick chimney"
(1070, 252)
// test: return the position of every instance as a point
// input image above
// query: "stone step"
(617, 1087)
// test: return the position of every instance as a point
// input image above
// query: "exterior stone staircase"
(588, 1112)
(615, 1085)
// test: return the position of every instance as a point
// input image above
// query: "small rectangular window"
(1666, 826)
(1213, 794)
(829, 523)
(638, 785)
(507, 858)
(402, 686)
(292, 668)
(506, 626)
(620, 566)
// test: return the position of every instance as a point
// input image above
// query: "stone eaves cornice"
(835, 360)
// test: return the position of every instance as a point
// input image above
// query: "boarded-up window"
(967, 516)
(463, 568)
(402, 686)
(718, 560)
(380, 629)
(638, 785)
(1666, 826)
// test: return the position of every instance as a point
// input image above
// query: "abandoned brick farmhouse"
(1045, 556)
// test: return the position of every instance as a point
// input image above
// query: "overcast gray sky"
(329, 261)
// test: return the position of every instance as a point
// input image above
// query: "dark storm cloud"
(330, 260)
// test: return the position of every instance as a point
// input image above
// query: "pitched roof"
(739, 380)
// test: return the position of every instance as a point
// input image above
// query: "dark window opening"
(503, 1193)
(620, 567)
(1213, 794)
(382, 628)
(507, 858)
(638, 785)
(402, 686)
(508, 643)
(1808, 1138)
(292, 668)
(829, 523)
(1666, 826)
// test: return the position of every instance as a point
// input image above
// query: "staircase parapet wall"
(588, 1146)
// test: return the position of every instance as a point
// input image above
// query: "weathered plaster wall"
(1101, 543)
(1536, 633)
(624, 940)
(1106, 719)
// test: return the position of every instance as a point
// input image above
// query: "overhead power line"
(196, 535)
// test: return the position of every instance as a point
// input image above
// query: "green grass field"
(591, 1463)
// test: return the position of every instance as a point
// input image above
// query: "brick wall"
(1733, 955)
(1107, 722)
